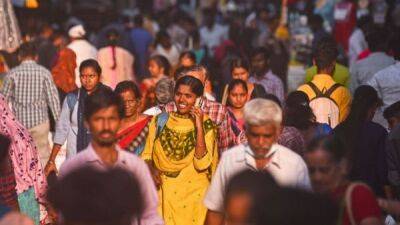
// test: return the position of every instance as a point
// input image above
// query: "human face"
(131, 103)
(393, 122)
(201, 75)
(89, 79)
(237, 209)
(237, 97)
(104, 125)
(261, 138)
(323, 171)
(259, 65)
(186, 62)
(155, 70)
(240, 73)
(184, 99)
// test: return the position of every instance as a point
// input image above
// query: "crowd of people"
(174, 119)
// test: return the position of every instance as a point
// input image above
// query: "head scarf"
(77, 31)
(23, 153)
(64, 70)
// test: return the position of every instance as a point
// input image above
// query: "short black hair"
(290, 206)
(102, 98)
(271, 97)
(163, 62)
(99, 197)
(138, 20)
(392, 111)
(316, 20)
(194, 83)
(325, 53)
(261, 51)
(237, 82)
(90, 63)
(128, 86)
(240, 63)
(27, 49)
(188, 54)
(377, 38)
(255, 183)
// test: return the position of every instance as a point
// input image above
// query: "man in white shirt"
(81, 47)
(263, 120)
(212, 34)
(362, 71)
(357, 42)
(386, 83)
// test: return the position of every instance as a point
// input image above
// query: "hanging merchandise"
(10, 37)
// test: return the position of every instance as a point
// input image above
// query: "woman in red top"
(327, 166)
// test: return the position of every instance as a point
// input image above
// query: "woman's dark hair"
(188, 54)
(102, 98)
(261, 51)
(237, 82)
(90, 63)
(162, 62)
(240, 63)
(194, 83)
(329, 143)
(117, 198)
(128, 86)
(112, 40)
(364, 99)
(297, 111)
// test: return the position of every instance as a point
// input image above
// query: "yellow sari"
(185, 178)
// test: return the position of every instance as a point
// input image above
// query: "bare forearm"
(54, 152)
(214, 218)
(200, 143)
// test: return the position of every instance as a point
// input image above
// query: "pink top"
(130, 162)
(23, 154)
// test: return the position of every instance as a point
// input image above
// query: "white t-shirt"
(214, 37)
(287, 167)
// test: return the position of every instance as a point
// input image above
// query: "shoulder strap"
(161, 121)
(315, 89)
(348, 200)
(72, 98)
(329, 92)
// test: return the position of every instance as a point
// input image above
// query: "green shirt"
(341, 74)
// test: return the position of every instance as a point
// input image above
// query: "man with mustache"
(103, 113)
(263, 120)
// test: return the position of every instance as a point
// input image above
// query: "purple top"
(130, 162)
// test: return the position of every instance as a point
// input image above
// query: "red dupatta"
(127, 136)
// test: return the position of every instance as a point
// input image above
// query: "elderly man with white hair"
(263, 120)
(81, 47)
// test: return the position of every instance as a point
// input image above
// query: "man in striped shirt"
(30, 89)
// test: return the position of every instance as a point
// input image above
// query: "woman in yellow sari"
(181, 151)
